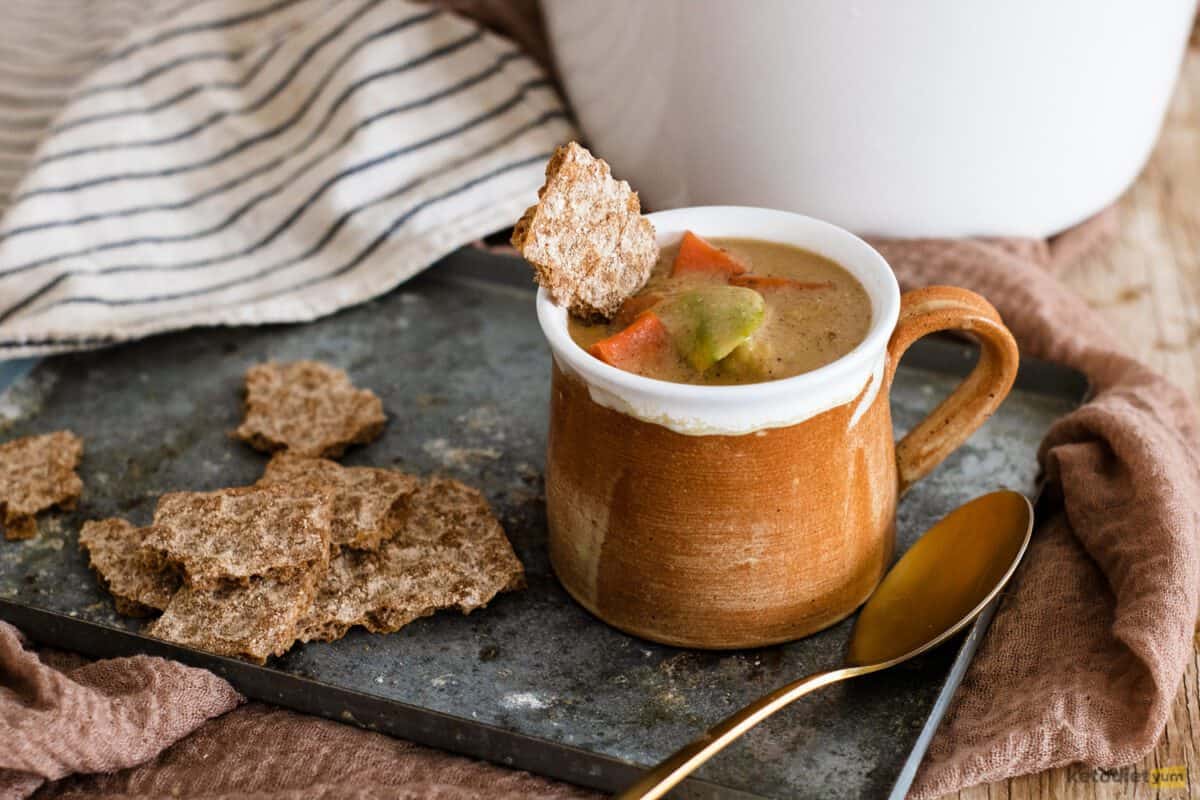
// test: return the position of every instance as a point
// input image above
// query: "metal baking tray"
(533, 681)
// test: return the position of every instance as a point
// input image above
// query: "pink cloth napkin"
(1084, 660)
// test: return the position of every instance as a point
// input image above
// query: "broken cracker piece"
(368, 503)
(254, 621)
(451, 552)
(37, 473)
(114, 549)
(232, 535)
(586, 238)
(307, 408)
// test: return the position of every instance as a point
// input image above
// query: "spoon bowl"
(943, 581)
(935, 590)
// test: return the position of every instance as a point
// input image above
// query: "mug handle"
(943, 308)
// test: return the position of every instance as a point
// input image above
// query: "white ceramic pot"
(918, 118)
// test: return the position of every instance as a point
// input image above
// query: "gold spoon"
(940, 585)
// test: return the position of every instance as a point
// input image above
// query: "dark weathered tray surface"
(532, 680)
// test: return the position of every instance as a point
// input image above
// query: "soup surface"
(730, 311)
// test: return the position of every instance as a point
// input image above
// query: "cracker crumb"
(232, 535)
(368, 503)
(451, 553)
(253, 621)
(115, 552)
(307, 408)
(37, 473)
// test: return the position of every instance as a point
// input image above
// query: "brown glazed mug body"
(741, 516)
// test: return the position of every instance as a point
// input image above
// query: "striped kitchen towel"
(171, 164)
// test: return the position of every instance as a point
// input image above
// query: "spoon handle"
(690, 757)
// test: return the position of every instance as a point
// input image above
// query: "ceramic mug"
(741, 516)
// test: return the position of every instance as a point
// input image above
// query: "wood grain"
(1147, 283)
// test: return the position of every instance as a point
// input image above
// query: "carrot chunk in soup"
(697, 255)
(636, 346)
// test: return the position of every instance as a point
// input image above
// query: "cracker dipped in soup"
(719, 311)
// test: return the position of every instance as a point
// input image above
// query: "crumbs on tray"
(313, 548)
(116, 552)
(37, 473)
(307, 408)
(449, 553)
(369, 503)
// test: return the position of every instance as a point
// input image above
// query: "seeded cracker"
(368, 503)
(451, 552)
(255, 621)
(114, 549)
(231, 535)
(589, 245)
(307, 408)
(37, 473)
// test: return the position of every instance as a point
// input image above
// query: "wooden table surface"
(1147, 283)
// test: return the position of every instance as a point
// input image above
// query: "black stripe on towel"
(68, 341)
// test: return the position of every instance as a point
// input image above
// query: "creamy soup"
(731, 311)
